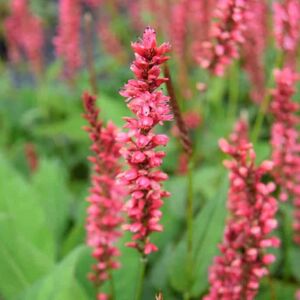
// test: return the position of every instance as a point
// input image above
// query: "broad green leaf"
(285, 215)
(216, 90)
(159, 272)
(263, 151)
(207, 231)
(75, 237)
(176, 185)
(126, 278)
(83, 268)
(70, 128)
(212, 225)
(113, 109)
(77, 234)
(294, 260)
(172, 226)
(60, 283)
(50, 184)
(27, 248)
(275, 289)
(208, 176)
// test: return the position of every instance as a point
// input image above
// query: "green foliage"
(43, 213)
(208, 227)
(126, 278)
(60, 283)
(50, 182)
(28, 250)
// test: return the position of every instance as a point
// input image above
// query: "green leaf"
(50, 183)
(126, 278)
(274, 289)
(60, 283)
(177, 186)
(83, 268)
(172, 226)
(70, 128)
(208, 176)
(216, 89)
(27, 250)
(77, 234)
(294, 259)
(207, 231)
(112, 109)
(212, 225)
(159, 272)
(263, 151)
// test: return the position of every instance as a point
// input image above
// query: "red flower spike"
(105, 198)
(67, 41)
(287, 28)
(285, 141)
(150, 108)
(237, 271)
(24, 35)
(227, 34)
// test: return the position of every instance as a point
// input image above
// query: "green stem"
(265, 103)
(189, 213)
(189, 222)
(139, 290)
(233, 90)
(112, 288)
(272, 289)
(286, 244)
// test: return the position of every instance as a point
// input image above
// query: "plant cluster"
(163, 219)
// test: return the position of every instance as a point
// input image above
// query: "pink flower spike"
(285, 141)
(105, 198)
(150, 108)
(253, 49)
(226, 35)
(24, 35)
(67, 41)
(237, 271)
(287, 28)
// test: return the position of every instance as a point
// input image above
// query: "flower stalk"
(89, 55)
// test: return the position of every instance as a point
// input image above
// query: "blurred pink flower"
(150, 108)
(93, 3)
(226, 35)
(287, 27)
(106, 196)
(285, 141)
(237, 271)
(110, 42)
(192, 120)
(254, 46)
(178, 27)
(67, 41)
(31, 156)
(200, 20)
(159, 13)
(24, 33)
(135, 10)
(297, 295)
